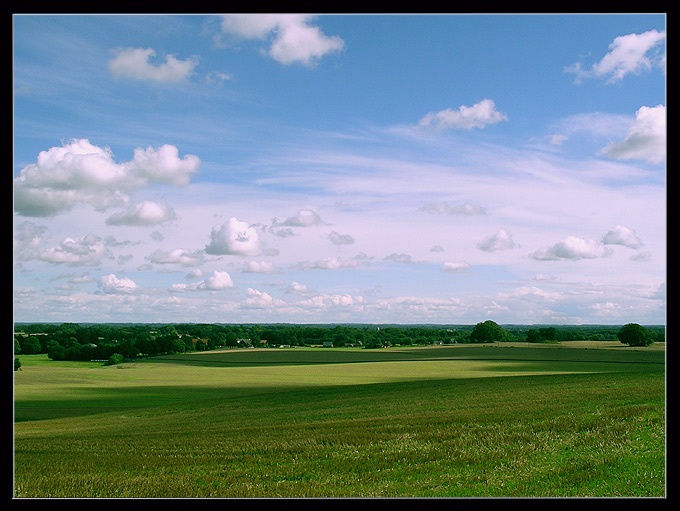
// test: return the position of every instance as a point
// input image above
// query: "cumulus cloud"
(178, 256)
(478, 115)
(646, 139)
(27, 240)
(328, 263)
(572, 248)
(163, 165)
(501, 240)
(296, 287)
(444, 208)
(304, 218)
(399, 258)
(218, 280)
(260, 267)
(530, 292)
(340, 239)
(88, 250)
(80, 172)
(196, 273)
(258, 298)
(622, 235)
(111, 284)
(234, 238)
(628, 54)
(135, 63)
(292, 38)
(455, 266)
(143, 214)
(326, 300)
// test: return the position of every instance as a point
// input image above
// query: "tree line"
(73, 341)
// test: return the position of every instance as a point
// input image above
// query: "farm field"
(566, 420)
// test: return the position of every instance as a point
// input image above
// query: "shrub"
(114, 359)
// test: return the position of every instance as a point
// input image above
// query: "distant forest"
(100, 341)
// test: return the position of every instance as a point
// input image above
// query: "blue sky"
(340, 168)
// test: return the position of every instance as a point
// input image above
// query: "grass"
(435, 422)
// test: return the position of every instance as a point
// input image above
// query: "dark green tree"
(30, 345)
(56, 351)
(634, 335)
(542, 334)
(488, 331)
(17, 364)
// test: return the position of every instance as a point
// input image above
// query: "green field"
(497, 420)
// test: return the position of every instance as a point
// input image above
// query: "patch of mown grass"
(557, 435)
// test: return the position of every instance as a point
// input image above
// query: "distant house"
(327, 344)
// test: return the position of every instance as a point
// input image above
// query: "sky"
(340, 168)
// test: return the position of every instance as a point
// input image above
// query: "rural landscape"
(339, 256)
(448, 411)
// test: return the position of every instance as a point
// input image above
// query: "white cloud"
(27, 240)
(399, 258)
(622, 235)
(455, 266)
(216, 77)
(328, 263)
(557, 139)
(478, 115)
(163, 165)
(542, 276)
(112, 284)
(573, 248)
(86, 250)
(629, 54)
(196, 273)
(218, 280)
(80, 172)
(260, 267)
(234, 238)
(340, 239)
(328, 300)
(258, 298)
(143, 214)
(304, 218)
(501, 240)
(646, 139)
(293, 39)
(134, 63)
(449, 209)
(179, 256)
(296, 287)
